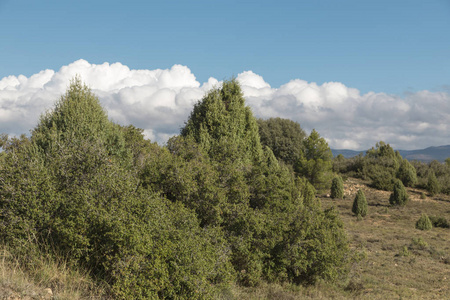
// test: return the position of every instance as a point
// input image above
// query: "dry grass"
(44, 279)
(400, 261)
(397, 261)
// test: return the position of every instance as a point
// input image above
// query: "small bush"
(439, 222)
(337, 188)
(360, 204)
(418, 243)
(404, 252)
(424, 223)
(423, 196)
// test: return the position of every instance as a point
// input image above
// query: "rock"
(48, 293)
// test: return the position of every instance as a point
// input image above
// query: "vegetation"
(92, 210)
(439, 222)
(315, 162)
(378, 272)
(284, 137)
(399, 196)
(407, 173)
(337, 188)
(359, 207)
(432, 184)
(212, 208)
(424, 223)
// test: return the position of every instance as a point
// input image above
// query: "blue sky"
(382, 46)
(380, 59)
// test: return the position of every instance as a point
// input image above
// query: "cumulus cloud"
(159, 101)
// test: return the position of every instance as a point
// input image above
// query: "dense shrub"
(381, 165)
(441, 172)
(337, 188)
(284, 137)
(424, 223)
(439, 222)
(399, 196)
(359, 207)
(315, 162)
(263, 203)
(432, 184)
(407, 173)
(213, 207)
(71, 188)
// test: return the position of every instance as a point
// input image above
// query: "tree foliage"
(399, 196)
(441, 172)
(432, 185)
(212, 207)
(407, 173)
(381, 165)
(315, 162)
(359, 207)
(337, 188)
(284, 137)
(73, 188)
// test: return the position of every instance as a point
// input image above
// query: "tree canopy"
(212, 207)
(284, 137)
(315, 161)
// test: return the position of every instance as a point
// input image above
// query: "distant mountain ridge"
(439, 153)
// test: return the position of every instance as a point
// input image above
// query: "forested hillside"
(212, 208)
(232, 207)
(440, 153)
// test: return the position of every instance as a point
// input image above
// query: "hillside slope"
(393, 259)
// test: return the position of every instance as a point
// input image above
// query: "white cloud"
(159, 101)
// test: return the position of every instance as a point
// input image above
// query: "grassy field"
(395, 260)
(399, 261)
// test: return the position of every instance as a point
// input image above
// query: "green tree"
(284, 137)
(432, 184)
(381, 165)
(399, 196)
(224, 127)
(359, 207)
(337, 188)
(74, 183)
(407, 173)
(315, 162)
(263, 202)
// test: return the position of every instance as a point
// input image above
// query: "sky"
(356, 71)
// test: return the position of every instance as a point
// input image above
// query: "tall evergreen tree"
(315, 163)
(224, 127)
(264, 203)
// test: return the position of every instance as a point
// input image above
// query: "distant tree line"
(383, 167)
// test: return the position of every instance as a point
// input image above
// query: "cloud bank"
(159, 101)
